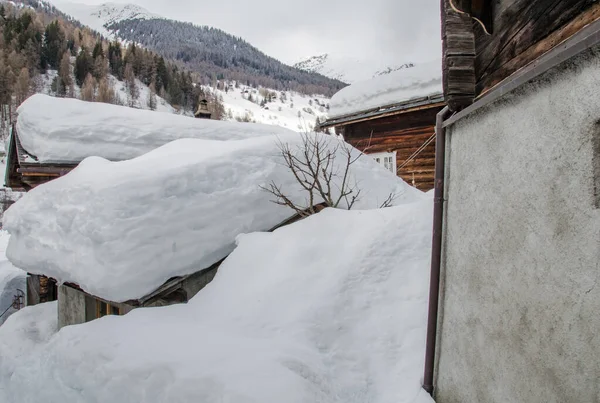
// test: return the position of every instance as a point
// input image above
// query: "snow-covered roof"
(121, 229)
(401, 86)
(63, 130)
(330, 309)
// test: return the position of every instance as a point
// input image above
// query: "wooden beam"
(458, 45)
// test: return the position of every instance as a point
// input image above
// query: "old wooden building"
(516, 239)
(392, 118)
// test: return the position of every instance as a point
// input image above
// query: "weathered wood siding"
(522, 31)
(403, 133)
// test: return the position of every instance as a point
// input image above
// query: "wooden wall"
(403, 133)
(523, 30)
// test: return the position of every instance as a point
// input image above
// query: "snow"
(99, 17)
(331, 309)
(402, 85)
(69, 130)
(121, 229)
(11, 279)
(294, 111)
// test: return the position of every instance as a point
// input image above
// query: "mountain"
(103, 15)
(349, 69)
(211, 52)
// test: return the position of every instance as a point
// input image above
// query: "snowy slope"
(351, 69)
(331, 309)
(120, 230)
(288, 109)
(11, 280)
(98, 17)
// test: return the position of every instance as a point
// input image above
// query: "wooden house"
(202, 112)
(392, 119)
(514, 301)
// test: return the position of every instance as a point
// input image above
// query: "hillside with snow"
(289, 109)
(350, 69)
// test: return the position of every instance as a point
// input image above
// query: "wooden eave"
(413, 105)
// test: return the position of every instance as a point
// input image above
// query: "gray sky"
(293, 29)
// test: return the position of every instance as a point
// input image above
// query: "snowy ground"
(11, 280)
(330, 309)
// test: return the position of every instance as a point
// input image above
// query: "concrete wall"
(520, 319)
(71, 306)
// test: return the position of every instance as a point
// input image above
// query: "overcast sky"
(294, 29)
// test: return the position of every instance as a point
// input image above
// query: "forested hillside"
(218, 55)
(36, 46)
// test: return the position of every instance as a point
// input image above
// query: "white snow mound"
(331, 309)
(403, 85)
(11, 280)
(68, 130)
(121, 229)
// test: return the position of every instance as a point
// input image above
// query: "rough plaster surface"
(71, 306)
(521, 292)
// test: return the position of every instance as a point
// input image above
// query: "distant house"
(516, 247)
(202, 112)
(392, 118)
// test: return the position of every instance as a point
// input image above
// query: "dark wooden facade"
(404, 132)
(487, 41)
(24, 172)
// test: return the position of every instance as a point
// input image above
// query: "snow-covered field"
(330, 309)
(288, 109)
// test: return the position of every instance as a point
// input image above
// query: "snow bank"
(11, 280)
(331, 309)
(403, 85)
(69, 130)
(121, 229)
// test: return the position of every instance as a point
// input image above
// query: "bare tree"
(22, 87)
(324, 178)
(132, 89)
(152, 102)
(106, 93)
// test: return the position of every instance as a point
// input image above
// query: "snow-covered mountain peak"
(111, 13)
(350, 69)
(99, 17)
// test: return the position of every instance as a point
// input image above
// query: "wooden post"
(458, 44)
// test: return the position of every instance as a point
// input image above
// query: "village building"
(392, 118)
(202, 112)
(517, 205)
(52, 136)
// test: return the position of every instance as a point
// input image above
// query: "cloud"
(397, 30)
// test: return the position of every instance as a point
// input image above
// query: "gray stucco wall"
(520, 318)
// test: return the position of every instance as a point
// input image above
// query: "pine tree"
(115, 59)
(88, 91)
(53, 46)
(83, 66)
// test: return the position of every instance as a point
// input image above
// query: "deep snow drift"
(69, 130)
(331, 309)
(121, 229)
(11, 280)
(403, 85)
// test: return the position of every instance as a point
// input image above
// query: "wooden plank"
(539, 48)
(523, 25)
(458, 66)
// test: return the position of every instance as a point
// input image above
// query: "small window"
(386, 160)
(103, 309)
